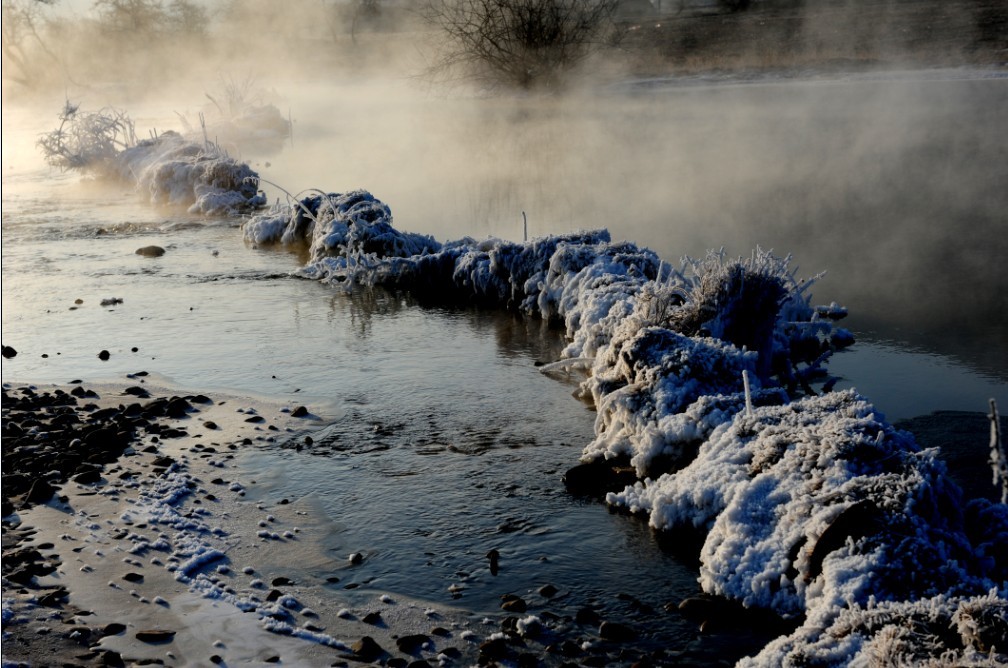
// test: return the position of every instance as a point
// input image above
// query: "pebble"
(155, 635)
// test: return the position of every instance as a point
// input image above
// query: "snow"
(812, 505)
(175, 171)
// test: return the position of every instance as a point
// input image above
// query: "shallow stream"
(443, 441)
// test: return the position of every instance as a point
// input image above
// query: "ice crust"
(812, 506)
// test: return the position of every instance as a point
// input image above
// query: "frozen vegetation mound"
(342, 231)
(715, 417)
(168, 168)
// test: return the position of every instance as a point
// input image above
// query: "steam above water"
(891, 182)
(891, 187)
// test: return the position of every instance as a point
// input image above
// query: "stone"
(40, 492)
(493, 650)
(367, 648)
(155, 635)
(300, 411)
(512, 603)
(150, 251)
(412, 643)
(616, 632)
(113, 629)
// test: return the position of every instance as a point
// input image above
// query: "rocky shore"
(132, 537)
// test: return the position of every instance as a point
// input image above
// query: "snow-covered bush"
(170, 169)
(87, 140)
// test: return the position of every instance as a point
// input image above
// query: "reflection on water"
(904, 382)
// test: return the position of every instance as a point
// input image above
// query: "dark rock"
(55, 598)
(300, 411)
(177, 408)
(40, 492)
(440, 631)
(373, 618)
(150, 251)
(410, 644)
(88, 477)
(528, 660)
(596, 478)
(547, 591)
(513, 603)
(210, 424)
(216, 658)
(493, 650)
(282, 581)
(616, 632)
(137, 391)
(155, 636)
(104, 355)
(587, 616)
(274, 595)
(133, 577)
(567, 648)
(367, 649)
(113, 629)
(9, 352)
(419, 663)
(255, 419)
(112, 659)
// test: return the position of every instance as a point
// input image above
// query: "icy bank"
(168, 168)
(706, 382)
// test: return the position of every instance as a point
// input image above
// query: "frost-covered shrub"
(170, 169)
(87, 140)
(935, 631)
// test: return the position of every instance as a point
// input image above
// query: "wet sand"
(164, 558)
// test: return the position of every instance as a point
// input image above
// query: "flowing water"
(444, 442)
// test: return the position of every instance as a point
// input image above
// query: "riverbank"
(159, 548)
(158, 555)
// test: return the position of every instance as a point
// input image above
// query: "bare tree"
(21, 24)
(143, 19)
(523, 43)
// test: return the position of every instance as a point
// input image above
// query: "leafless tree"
(22, 28)
(523, 43)
(143, 19)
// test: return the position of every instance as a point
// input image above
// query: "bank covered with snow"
(715, 416)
